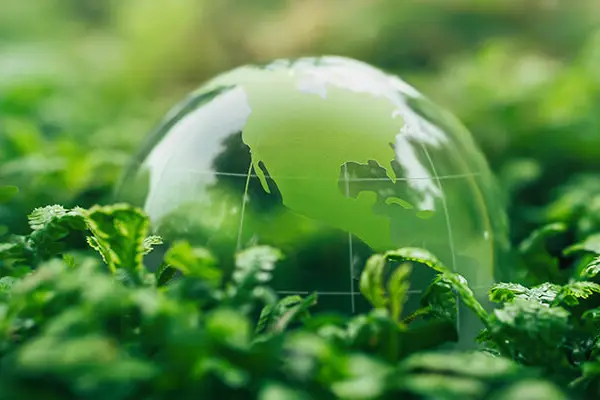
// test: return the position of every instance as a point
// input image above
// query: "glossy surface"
(328, 159)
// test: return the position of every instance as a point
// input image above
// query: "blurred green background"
(83, 81)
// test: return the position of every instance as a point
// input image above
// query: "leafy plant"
(97, 324)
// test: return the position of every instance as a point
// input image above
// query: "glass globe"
(330, 160)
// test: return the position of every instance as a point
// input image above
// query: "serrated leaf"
(572, 293)
(505, 292)
(150, 242)
(50, 225)
(41, 218)
(118, 234)
(530, 331)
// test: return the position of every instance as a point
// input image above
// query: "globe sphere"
(330, 160)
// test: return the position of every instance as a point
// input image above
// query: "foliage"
(97, 324)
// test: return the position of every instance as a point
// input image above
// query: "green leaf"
(504, 292)
(15, 250)
(7, 193)
(253, 271)
(592, 314)
(530, 331)
(371, 281)
(466, 295)
(365, 378)
(531, 389)
(591, 244)
(6, 283)
(398, 286)
(43, 218)
(539, 262)
(417, 255)
(456, 281)
(51, 225)
(164, 274)
(437, 386)
(439, 300)
(470, 364)
(273, 312)
(278, 391)
(150, 242)
(229, 327)
(118, 234)
(293, 313)
(592, 269)
(572, 293)
(193, 262)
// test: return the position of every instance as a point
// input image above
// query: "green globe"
(330, 160)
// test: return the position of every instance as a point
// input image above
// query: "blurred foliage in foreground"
(76, 324)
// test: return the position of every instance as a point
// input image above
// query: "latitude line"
(328, 293)
(246, 175)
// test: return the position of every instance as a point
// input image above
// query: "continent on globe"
(330, 160)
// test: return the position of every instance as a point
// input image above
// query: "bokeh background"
(83, 81)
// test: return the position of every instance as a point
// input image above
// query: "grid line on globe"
(448, 226)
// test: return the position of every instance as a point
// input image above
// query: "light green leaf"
(592, 269)
(194, 262)
(591, 244)
(150, 242)
(505, 292)
(531, 390)
(371, 281)
(473, 364)
(571, 294)
(398, 286)
(118, 234)
(278, 391)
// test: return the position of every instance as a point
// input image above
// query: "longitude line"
(244, 199)
(448, 226)
(350, 249)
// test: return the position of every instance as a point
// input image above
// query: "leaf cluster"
(97, 324)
